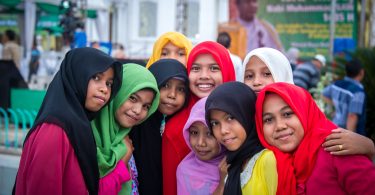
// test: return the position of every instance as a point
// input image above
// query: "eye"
(288, 114)
(267, 120)
(166, 85)
(164, 53)
(181, 53)
(193, 132)
(181, 89)
(248, 76)
(109, 83)
(215, 68)
(195, 68)
(95, 77)
(213, 123)
(147, 107)
(209, 134)
(267, 74)
(133, 98)
(230, 117)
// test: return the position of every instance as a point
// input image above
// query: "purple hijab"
(195, 176)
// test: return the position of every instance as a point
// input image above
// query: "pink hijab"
(195, 176)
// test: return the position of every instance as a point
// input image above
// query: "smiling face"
(257, 75)
(227, 130)
(281, 126)
(99, 90)
(203, 143)
(171, 51)
(205, 75)
(135, 108)
(172, 96)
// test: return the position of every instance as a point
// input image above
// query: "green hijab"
(109, 135)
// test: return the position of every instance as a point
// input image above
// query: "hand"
(345, 142)
(223, 169)
(130, 148)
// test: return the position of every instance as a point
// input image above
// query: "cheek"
(182, 59)
(249, 83)
(267, 132)
(218, 78)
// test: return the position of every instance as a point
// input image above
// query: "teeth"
(205, 86)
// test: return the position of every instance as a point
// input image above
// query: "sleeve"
(356, 173)
(169, 167)
(327, 92)
(111, 183)
(356, 104)
(270, 171)
(43, 161)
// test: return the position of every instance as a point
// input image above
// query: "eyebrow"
(139, 97)
(282, 109)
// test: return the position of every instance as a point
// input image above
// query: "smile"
(205, 87)
(284, 136)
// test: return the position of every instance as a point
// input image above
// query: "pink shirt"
(335, 175)
(49, 166)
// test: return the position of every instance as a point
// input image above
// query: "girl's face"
(227, 130)
(135, 108)
(281, 126)
(203, 143)
(99, 90)
(171, 51)
(172, 96)
(205, 75)
(257, 74)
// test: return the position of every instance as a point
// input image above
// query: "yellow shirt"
(263, 174)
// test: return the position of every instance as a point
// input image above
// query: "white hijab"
(276, 62)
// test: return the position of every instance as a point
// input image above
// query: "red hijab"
(294, 169)
(174, 148)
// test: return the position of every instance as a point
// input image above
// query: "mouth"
(205, 86)
(169, 105)
(101, 99)
(202, 153)
(284, 136)
(228, 140)
(135, 119)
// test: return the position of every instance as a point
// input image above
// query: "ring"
(340, 147)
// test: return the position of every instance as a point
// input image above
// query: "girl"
(209, 65)
(198, 171)
(59, 155)
(264, 66)
(230, 114)
(137, 99)
(291, 125)
(171, 45)
(173, 84)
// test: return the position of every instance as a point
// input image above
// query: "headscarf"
(109, 135)
(238, 100)
(175, 38)
(294, 168)
(172, 137)
(276, 62)
(193, 174)
(146, 136)
(64, 105)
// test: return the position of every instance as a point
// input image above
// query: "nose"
(103, 88)
(280, 125)
(137, 108)
(257, 81)
(201, 140)
(204, 73)
(172, 93)
(224, 129)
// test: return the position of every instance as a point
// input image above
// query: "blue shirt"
(348, 96)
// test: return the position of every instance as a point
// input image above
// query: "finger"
(332, 143)
(341, 152)
(338, 130)
(334, 148)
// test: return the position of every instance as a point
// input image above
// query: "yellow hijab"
(176, 39)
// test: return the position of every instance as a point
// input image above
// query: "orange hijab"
(295, 168)
(175, 38)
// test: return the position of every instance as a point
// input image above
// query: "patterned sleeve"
(356, 104)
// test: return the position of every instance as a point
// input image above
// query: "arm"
(352, 143)
(355, 173)
(223, 169)
(351, 121)
(111, 183)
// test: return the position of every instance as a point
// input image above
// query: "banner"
(304, 24)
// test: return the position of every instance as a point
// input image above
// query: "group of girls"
(193, 129)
